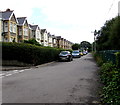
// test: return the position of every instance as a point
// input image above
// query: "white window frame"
(5, 26)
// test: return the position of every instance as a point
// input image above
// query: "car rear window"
(64, 52)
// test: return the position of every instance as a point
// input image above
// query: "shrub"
(98, 59)
(28, 53)
(110, 78)
(32, 41)
(118, 59)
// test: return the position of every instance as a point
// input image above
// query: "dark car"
(76, 54)
(65, 55)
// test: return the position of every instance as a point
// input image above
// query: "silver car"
(76, 54)
(65, 55)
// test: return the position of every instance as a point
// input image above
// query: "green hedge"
(118, 59)
(110, 77)
(108, 56)
(28, 53)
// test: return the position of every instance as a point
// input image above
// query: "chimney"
(7, 9)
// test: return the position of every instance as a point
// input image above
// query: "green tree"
(103, 42)
(76, 46)
(114, 39)
(85, 45)
(32, 41)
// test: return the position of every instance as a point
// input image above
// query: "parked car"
(65, 55)
(76, 54)
(85, 52)
(81, 53)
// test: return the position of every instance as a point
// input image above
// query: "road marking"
(8, 75)
(21, 71)
(15, 71)
(2, 74)
(12, 72)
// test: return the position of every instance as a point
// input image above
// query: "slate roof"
(6, 15)
(0, 15)
(33, 27)
(21, 20)
(43, 30)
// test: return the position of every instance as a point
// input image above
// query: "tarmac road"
(57, 82)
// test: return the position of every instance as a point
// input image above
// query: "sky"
(74, 20)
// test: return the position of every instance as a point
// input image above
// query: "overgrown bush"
(118, 59)
(98, 59)
(28, 53)
(32, 41)
(110, 77)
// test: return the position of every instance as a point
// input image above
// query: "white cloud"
(72, 19)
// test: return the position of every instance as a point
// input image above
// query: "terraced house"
(44, 37)
(14, 29)
(54, 41)
(22, 29)
(1, 25)
(9, 31)
(35, 33)
(63, 43)
(50, 40)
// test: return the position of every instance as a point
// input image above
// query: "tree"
(32, 41)
(76, 46)
(114, 39)
(109, 36)
(85, 45)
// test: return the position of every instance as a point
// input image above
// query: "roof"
(0, 15)
(43, 30)
(6, 15)
(21, 20)
(49, 34)
(33, 27)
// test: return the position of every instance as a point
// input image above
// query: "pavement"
(8, 68)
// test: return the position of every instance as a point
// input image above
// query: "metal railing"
(108, 55)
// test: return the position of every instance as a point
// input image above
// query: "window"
(5, 26)
(20, 30)
(11, 27)
(14, 28)
(25, 32)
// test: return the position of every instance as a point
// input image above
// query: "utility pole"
(119, 8)
(94, 44)
(95, 33)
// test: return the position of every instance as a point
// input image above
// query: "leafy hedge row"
(28, 53)
(108, 56)
(118, 59)
(110, 77)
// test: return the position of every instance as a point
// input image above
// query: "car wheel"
(69, 59)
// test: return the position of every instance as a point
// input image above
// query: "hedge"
(108, 56)
(110, 76)
(118, 59)
(28, 53)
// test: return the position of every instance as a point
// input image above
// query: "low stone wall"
(14, 63)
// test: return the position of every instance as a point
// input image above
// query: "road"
(58, 82)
